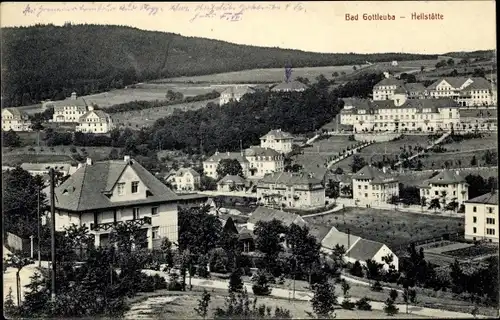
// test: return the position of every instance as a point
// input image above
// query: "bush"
(72, 150)
(261, 288)
(173, 283)
(364, 304)
(347, 304)
(376, 286)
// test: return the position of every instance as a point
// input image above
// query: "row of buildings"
(466, 91)
(73, 110)
(399, 106)
(235, 93)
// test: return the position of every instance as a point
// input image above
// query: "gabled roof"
(479, 84)
(232, 179)
(446, 177)
(261, 152)
(489, 198)
(290, 86)
(183, 171)
(289, 179)
(335, 237)
(86, 189)
(455, 82)
(374, 174)
(341, 178)
(268, 214)
(218, 156)
(364, 249)
(16, 113)
(277, 134)
(318, 231)
(389, 82)
(400, 89)
(101, 114)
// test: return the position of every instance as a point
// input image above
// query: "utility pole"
(53, 233)
(38, 225)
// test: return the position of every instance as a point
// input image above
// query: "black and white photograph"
(250, 160)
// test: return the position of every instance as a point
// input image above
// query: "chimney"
(89, 161)
(73, 96)
(126, 159)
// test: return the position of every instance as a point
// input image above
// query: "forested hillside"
(480, 54)
(49, 62)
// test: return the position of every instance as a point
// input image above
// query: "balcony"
(111, 225)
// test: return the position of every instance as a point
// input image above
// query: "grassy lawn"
(140, 118)
(183, 308)
(394, 228)
(51, 154)
(454, 159)
(487, 141)
(264, 75)
(314, 158)
(474, 251)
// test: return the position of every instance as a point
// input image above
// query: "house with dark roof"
(234, 93)
(289, 86)
(473, 91)
(357, 248)
(263, 161)
(266, 214)
(15, 119)
(415, 90)
(447, 186)
(373, 185)
(385, 89)
(69, 110)
(184, 179)
(291, 190)
(210, 165)
(278, 140)
(101, 195)
(481, 217)
(231, 183)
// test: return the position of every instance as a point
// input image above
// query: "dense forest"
(479, 55)
(49, 62)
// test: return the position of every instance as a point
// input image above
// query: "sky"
(309, 26)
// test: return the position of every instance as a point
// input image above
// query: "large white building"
(447, 186)
(255, 162)
(291, 190)
(101, 195)
(15, 119)
(69, 110)
(278, 140)
(465, 91)
(234, 93)
(481, 217)
(289, 86)
(372, 185)
(184, 179)
(400, 114)
(95, 121)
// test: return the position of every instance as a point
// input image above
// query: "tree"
(332, 189)
(268, 239)
(473, 161)
(304, 246)
(354, 68)
(229, 167)
(357, 163)
(373, 269)
(18, 262)
(10, 139)
(324, 299)
(390, 308)
(450, 62)
(356, 269)
(235, 282)
(339, 170)
(207, 183)
(346, 303)
(409, 295)
(490, 157)
(261, 288)
(435, 204)
(203, 304)
(167, 253)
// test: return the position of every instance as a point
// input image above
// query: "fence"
(15, 243)
(445, 236)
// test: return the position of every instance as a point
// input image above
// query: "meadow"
(394, 228)
(143, 118)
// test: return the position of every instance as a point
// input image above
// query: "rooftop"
(290, 86)
(289, 178)
(277, 134)
(374, 174)
(446, 177)
(261, 152)
(364, 249)
(217, 156)
(232, 179)
(489, 198)
(268, 214)
(389, 82)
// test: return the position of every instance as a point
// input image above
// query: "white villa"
(15, 119)
(372, 185)
(446, 186)
(184, 179)
(290, 86)
(278, 140)
(102, 194)
(481, 217)
(291, 190)
(69, 110)
(234, 93)
(465, 91)
(95, 121)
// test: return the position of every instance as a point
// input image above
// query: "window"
(366, 187)
(490, 220)
(154, 211)
(474, 209)
(359, 187)
(121, 188)
(474, 230)
(490, 231)
(436, 193)
(474, 219)
(135, 186)
(490, 210)
(366, 195)
(136, 212)
(155, 232)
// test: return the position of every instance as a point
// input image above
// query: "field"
(403, 66)
(51, 154)
(147, 117)
(487, 141)
(394, 228)
(272, 75)
(183, 308)
(314, 158)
